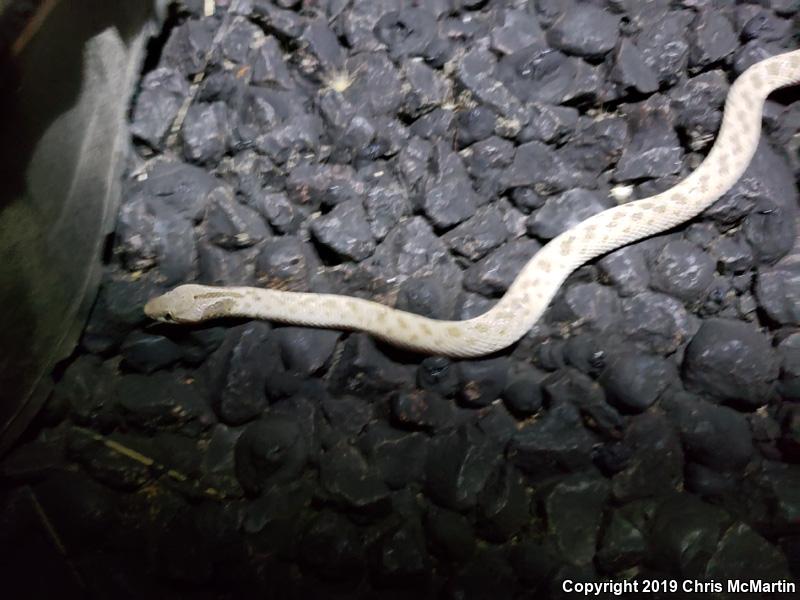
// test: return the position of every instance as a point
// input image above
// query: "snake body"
(530, 293)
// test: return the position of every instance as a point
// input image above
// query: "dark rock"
(413, 160)
(514, 30)
(231, 225)
(523, 395)
(187, 46)
(205, 132)
(477, 236)
(268, 67)
(107, 465)
(459, 465)
(402, 558)
(284, 23)
(770, 230)
(574, 511)
(585, 30)
(438, 374)
(162, 94)
(451, 533)
(175, 188)
(423, 296)
(733, 254)
(349, 481)
(631, 71)
(412, 249)
(145, 239)
(552, 174)
(225, 87)
(698, 102)
(386, 204)
(450, 201)
(362, 370)
(741, 548)
(709, 483)
(571, 386)
(148, 353)
(682, 270)
(494, 273)
(346, 231)
(731, 361)
(622, 545)
(715, 436)
(626, 268)
(256, 117)
(238, 371)
(398, 456)
(596, 143)
(491, 153)
(476, 73)
(657, 320)
(161, 400)
(765, 26)
(496, 422)
(274, 521)
(684, 534)
(594, 305)
(298, 134)
(712, 39)
(85, 389)
(208, 536)
(503, 506)
(564, 211)
(406, 32)
(429, 89)
(270, 451)
(778, 290)
(789, 354)
(218, 467)
(663, 44)
(306, 350)
(655, 465)
(481, 381)
(378, 87)
(634, 381)
(316, 185)
(331, 546)
(320, 46)
(475, 124)
(284, 262)
(487, 575)
(304, 409)
(422, 409)
(347, 414)
(282, 214)
(217, 266)
(548, 123)
(526, 200)
(540, 74)
(433, 125)
(654, 149)
(555, 443)
(586, 352)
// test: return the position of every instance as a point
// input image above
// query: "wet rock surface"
(418, 154)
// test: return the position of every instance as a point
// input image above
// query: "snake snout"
(156, 308)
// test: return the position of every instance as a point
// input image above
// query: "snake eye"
(168, 317)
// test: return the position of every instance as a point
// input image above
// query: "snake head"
(188, 304)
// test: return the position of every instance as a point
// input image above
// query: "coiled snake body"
(530, 293)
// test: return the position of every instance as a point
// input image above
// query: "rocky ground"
(418, 153)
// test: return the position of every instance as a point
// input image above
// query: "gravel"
(419, 154)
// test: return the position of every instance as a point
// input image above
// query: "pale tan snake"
(530, 293)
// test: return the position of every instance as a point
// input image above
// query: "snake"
(530, 293)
